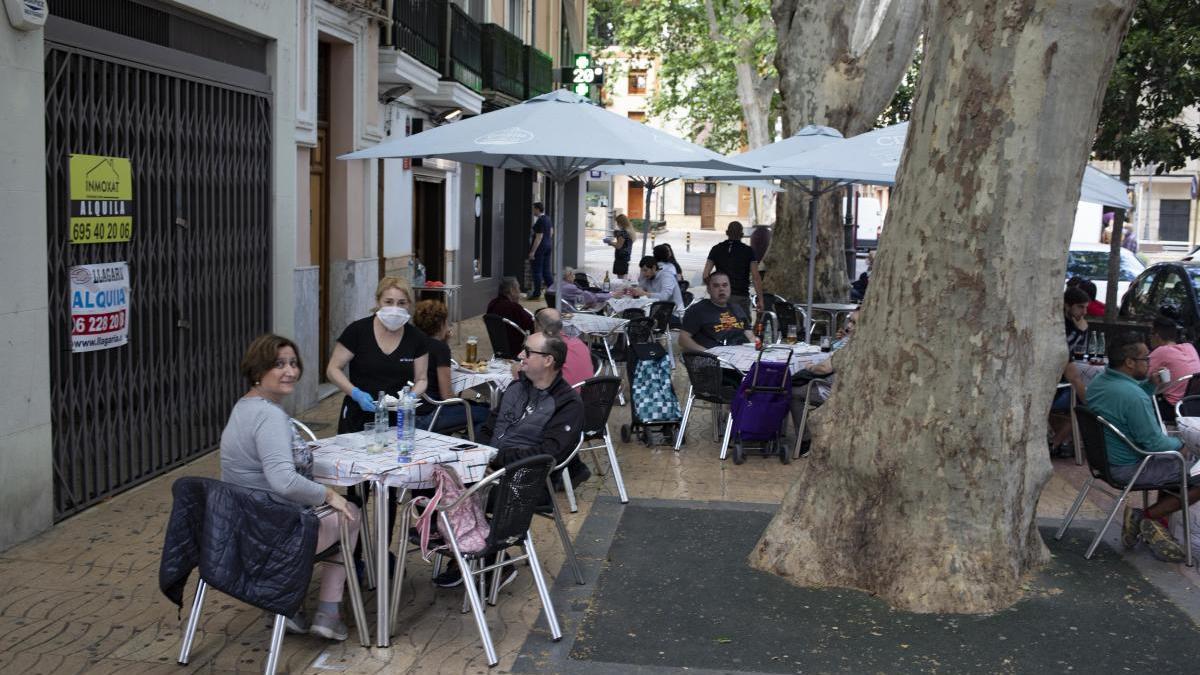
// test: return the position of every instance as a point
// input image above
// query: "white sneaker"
(328, 627)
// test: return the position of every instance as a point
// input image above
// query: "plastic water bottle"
(406, 426)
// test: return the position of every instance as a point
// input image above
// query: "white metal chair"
(598, 394)
(447, 402)
(365, 542)
(520, 486)
(706, 375)
(1092, 430)
(277, 630)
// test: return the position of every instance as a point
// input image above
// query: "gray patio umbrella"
(873, 158)
(656, 176)
(560, 134)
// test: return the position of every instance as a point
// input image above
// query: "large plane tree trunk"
(839, 64)
(930, 455)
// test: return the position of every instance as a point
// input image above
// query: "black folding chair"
(519, 490)
(502, 332)
(661, 313)
(1092, 429)
(708, 382)
(598, 395)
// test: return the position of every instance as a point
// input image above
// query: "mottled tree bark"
(930, 455)
(839, 65)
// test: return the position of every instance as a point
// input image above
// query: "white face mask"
(392, 318)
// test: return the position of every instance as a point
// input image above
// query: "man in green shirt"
(1123, 396)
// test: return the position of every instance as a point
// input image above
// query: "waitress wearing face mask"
(384, 352)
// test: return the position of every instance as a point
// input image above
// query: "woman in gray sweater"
(260, 449)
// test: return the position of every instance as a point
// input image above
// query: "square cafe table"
(619, 305)
(495, 379)
(343, 460)
(744, 356)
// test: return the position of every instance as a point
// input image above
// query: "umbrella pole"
(560, 187)
(646, 222)
(812, 250)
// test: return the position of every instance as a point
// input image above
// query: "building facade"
(218, 124)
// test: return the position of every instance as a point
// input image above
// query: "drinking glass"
(371, 438)
(790, 337)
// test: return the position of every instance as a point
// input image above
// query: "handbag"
(467, 520)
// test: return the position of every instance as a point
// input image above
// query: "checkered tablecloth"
(619, 305)
(595, 323)
(344, 460)
(743, 356)
(461, 380)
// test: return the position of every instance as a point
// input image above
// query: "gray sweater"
(256, 452)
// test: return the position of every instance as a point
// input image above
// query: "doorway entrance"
(429, 225)
(636, 199)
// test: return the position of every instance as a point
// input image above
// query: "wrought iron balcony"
(503, 61)
(417, 28)
(539, 73)
(464, 62)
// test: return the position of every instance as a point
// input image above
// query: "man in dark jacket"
(506, 304)
(540, 413)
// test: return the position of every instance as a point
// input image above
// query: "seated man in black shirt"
(715, 321)
(507, 304)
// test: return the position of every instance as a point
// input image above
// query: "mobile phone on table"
(464, 446)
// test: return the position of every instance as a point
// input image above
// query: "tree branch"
(714, 30)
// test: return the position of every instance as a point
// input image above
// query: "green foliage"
(697, 80)
(1156, 77)
(899, 109)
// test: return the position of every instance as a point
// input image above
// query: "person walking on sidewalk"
(540, 250)
(741, 264)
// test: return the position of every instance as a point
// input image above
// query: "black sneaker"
(1131, 527)
(450, 578)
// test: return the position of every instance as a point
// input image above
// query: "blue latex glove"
(363, 399)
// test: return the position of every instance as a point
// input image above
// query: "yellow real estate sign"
(101, 199)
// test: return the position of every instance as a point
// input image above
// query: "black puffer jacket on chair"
(249, 544)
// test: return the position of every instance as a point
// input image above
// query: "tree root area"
(677, 592)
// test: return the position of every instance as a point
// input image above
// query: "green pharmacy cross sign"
(580, 77)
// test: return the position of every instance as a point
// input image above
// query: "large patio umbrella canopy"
(873, 158)
(560, 134)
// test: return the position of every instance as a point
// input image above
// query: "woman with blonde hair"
(382, 353)
(622, 240)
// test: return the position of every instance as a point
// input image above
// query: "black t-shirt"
(373, 371)
(1075, 337)
(625, 250)
(439, 355)
(710, 325)
(734, 258)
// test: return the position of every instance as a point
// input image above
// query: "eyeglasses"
(527, 350)
(1140, 358)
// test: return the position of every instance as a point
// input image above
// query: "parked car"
(1090, 260)
(1175, 283)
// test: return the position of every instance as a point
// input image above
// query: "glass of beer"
(790, 336)
(472, 349)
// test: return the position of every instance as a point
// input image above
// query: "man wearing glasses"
(1123, 396)
(540, 413)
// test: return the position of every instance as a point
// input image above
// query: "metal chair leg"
(687, 413)
(535, 567)
(401, 566)
(472, 593)
(497, 576)
(1108, 521)
(568, 547)
(569, 488)
(1087, 485)
(612, 363)
(366, 543)
(725, 440)
(193, 620)
(276, 644)
(616, 466)
(356, 600)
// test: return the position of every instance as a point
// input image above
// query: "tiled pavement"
(83, 597)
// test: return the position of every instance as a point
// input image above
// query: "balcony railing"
(503, 61)
(464, 63)
(539, 73)
(417, 28)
